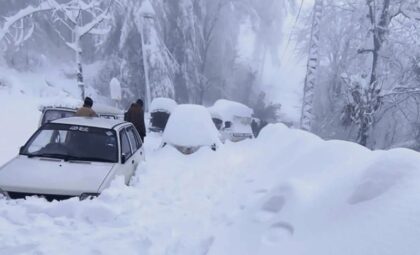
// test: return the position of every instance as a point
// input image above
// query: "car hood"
(51, 176)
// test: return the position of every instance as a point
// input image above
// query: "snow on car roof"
(229, 109)
(163, 103)
(191, 125)
(89, 122)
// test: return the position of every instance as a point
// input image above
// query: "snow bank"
(54, 85)
(49, 87)
(19, 119)
(163, 104)
(286, 192)
(302, 195)
(191, 125)
(230, 109)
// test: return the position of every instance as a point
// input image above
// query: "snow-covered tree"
(378, 49)
(134, 47)
(191, 49)
(73, 20)
(158, 64)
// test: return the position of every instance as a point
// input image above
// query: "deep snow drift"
(287, 192)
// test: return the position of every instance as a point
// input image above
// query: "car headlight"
(4, 194)
(89, 196)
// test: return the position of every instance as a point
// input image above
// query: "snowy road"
(286, 191)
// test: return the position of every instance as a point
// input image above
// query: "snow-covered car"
(233, 120)
(189, 128)
(54, 112)
(73, 157)
(160, 110)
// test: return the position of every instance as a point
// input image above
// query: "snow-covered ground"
(287, 192)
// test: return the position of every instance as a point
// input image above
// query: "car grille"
(48, 197)
(187, 150)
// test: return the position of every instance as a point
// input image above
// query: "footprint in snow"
(277, 232)
(271, 208)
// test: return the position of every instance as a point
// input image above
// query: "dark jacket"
(135, 115)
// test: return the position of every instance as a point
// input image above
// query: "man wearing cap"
(86, 110)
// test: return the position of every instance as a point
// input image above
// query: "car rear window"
(51, 115)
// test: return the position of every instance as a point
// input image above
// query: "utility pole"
(312, 66)
(147, 13)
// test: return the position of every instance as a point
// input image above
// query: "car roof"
(190, 125)
(99, 108)
(90, 122)
(228, 110)
(163, 104)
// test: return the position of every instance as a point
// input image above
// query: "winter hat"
(140, 102)
(88, 102)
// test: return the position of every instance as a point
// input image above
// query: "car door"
(127, 165)
(136, 146)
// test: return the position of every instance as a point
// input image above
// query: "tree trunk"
(378, 36)
(363, 132)
(312, 66)
(80, 79)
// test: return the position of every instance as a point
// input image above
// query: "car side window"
(138, 138)
(134, 139)
(125, 144)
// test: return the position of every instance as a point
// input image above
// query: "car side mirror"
(123, 159)
(214, 147)
(21, 149)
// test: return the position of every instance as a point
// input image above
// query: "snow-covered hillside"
(287, 192)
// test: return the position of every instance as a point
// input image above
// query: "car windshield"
(73, 142)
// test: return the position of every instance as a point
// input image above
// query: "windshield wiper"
(93, 159)
(47, 155)
(69, 157)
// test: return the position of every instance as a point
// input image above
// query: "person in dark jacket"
(255, 127)
(135, 115)
(86, 110)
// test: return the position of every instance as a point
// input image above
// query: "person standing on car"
(135, 115)
(86, 110)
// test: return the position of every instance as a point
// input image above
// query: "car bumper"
(237, 137)
(48, 197)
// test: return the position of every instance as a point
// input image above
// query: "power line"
(292, 32)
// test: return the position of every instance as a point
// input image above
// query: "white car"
(71, 157)
(190, 128)
(232, 119)
(54, 112)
